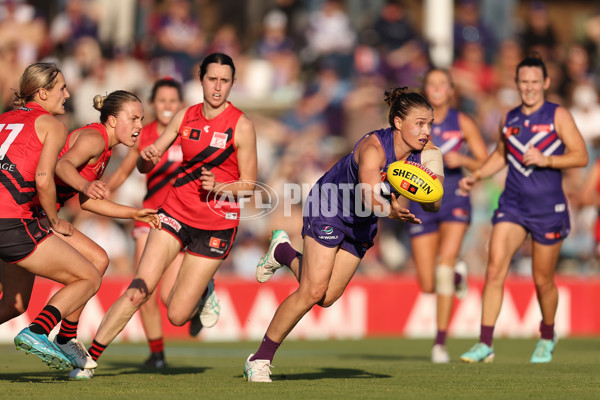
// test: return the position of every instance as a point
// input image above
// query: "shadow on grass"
(386, 357)
(36, 377)
(135, 368)
(106, 370)
(329, 373)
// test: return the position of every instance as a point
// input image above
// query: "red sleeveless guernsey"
(20, 150)
(163, 174)
(90, 172)
(205, 143)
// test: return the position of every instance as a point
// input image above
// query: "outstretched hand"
(401, 213)
(149, 216)
(466, 184)
(151, 153)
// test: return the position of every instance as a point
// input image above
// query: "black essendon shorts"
(19, 238)
(198, 242)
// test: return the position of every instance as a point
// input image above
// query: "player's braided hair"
(401, 101)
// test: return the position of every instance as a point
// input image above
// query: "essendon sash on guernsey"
(205, 143)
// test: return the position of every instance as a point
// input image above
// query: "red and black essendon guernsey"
(20, 150)
(90, 172)
(164, 173)
(205, 143)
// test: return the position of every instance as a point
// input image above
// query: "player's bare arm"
(87, 148)
(53, 134)
(150, 156)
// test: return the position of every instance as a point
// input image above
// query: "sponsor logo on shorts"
(327, 230)
(552, 235)
(217, 245)
(414, 229)
(460, 213)
(166, 220)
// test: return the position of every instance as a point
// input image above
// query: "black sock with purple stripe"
(46, 320)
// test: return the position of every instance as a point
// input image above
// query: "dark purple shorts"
(455, 208)
(356, 239)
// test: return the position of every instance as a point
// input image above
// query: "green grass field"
(364, 369)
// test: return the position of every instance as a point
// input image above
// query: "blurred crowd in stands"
(311, 74)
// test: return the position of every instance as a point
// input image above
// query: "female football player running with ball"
(537, 140)
(330, 259)
(436, 242)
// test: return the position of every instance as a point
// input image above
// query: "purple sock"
(284, 254)
(266, 351)
(457, 278)
(487, 334)
(547, 331)
(440, 338)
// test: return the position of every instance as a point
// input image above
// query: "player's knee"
(494, 275)
(101, 261)
(444, 280)
(328, 301)
(138, 292)
(543, 283)
(176, 317)
(314, 295)
(93, 279)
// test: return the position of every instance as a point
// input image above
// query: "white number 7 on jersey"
(14, 132)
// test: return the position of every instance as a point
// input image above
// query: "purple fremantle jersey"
(334, 197)
(447, 137)
(532, 190)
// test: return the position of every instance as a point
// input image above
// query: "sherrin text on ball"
(415, 181)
